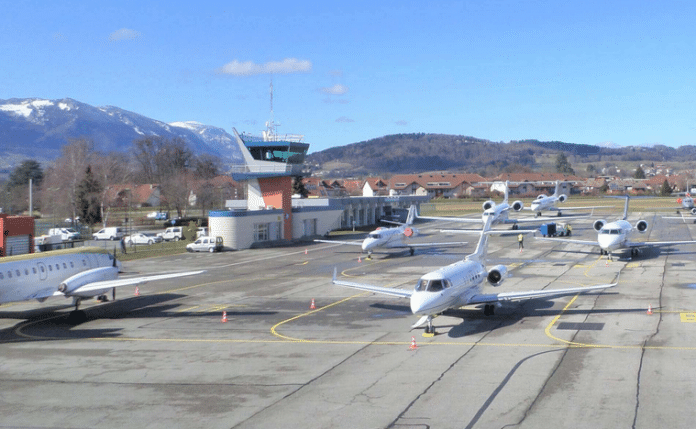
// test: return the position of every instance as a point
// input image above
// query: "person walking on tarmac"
(520, 241)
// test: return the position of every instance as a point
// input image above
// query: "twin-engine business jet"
(460, 284)
(498, 213)
(392, 238)
(614, 236)
(72, 273)
(550, 202)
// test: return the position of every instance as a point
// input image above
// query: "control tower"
(270, 162)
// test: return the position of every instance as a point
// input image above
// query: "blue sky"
(583, 72)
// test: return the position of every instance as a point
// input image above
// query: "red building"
(17, 236)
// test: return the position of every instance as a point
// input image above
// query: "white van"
(110, 233)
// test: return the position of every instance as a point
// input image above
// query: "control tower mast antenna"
(270, 133)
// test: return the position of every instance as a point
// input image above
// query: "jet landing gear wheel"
(488, 310)
(429, 329)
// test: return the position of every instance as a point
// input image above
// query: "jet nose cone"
(420, 303)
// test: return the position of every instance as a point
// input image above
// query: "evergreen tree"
(87, 195)
(562, 164)
(298, 187)
(639, 174)
(666, 189)
(29, 169)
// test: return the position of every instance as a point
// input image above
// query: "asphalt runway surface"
(165, 359)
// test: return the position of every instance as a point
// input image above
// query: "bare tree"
(64, 176)
(110, 169)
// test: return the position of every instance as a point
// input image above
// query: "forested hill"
(410, 153)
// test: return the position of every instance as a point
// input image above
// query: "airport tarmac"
(164, 359)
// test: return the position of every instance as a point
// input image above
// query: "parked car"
(175, 233)
(205, 244)
(66, 234)
(186, 220)
(158, 215)
(140, 238)
(109, 233)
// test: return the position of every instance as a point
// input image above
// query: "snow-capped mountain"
(38, 128)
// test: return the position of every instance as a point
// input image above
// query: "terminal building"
(270, 215)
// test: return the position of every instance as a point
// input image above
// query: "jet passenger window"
(33, 269)
(1, 276)
(65, 266)
(17, 272)
(26, 271)
(9, 274)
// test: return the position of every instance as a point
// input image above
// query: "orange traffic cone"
(359, 259)
(137, 291)
(413, 345)
(224, 317)
(305, 251)
(649, 309)
(311, 306)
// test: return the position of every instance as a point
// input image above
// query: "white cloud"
(248, 68)
(337, 89)
(344, 119)
(124, 34)
(401, 123)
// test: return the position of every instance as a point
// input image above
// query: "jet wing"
(542, 219)
(656, 243)
(84, 290)
(514, 296)
(351, 243)
(401, 293)
(568, 240)
(451, 243)
(452, 219)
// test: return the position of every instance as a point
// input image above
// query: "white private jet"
(392, 238)
(550, 202)
(460, 284)
(78, 273)
(498, 213)
(614, 236)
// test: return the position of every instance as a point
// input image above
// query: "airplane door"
(43, 273)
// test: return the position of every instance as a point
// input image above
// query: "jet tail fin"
(625, 213)
(480, 252)
(411, 214)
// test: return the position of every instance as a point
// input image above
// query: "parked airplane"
(460, 284)
(392, 238)
(497, 212)
(614, 236)
(687, 202)
(550, 202)
(78, 273)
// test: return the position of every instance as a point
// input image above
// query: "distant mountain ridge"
(419, 152)
(38, 128)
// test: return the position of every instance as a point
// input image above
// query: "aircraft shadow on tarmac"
(475, 322)
(50, 323)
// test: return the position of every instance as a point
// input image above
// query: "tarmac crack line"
(643, 349)
(302, 386)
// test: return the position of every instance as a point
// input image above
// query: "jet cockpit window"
(435, 286)
(422, 285)
(375, 235)
(615, 232)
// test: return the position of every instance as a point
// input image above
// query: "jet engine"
(641, 226)
(496, 275)
(562, 198)
(517, 205)
(87, 277)
(598, 224)
(488, 205)
(693, 211)
(410, 232)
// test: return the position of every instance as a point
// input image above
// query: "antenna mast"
(270, 133)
